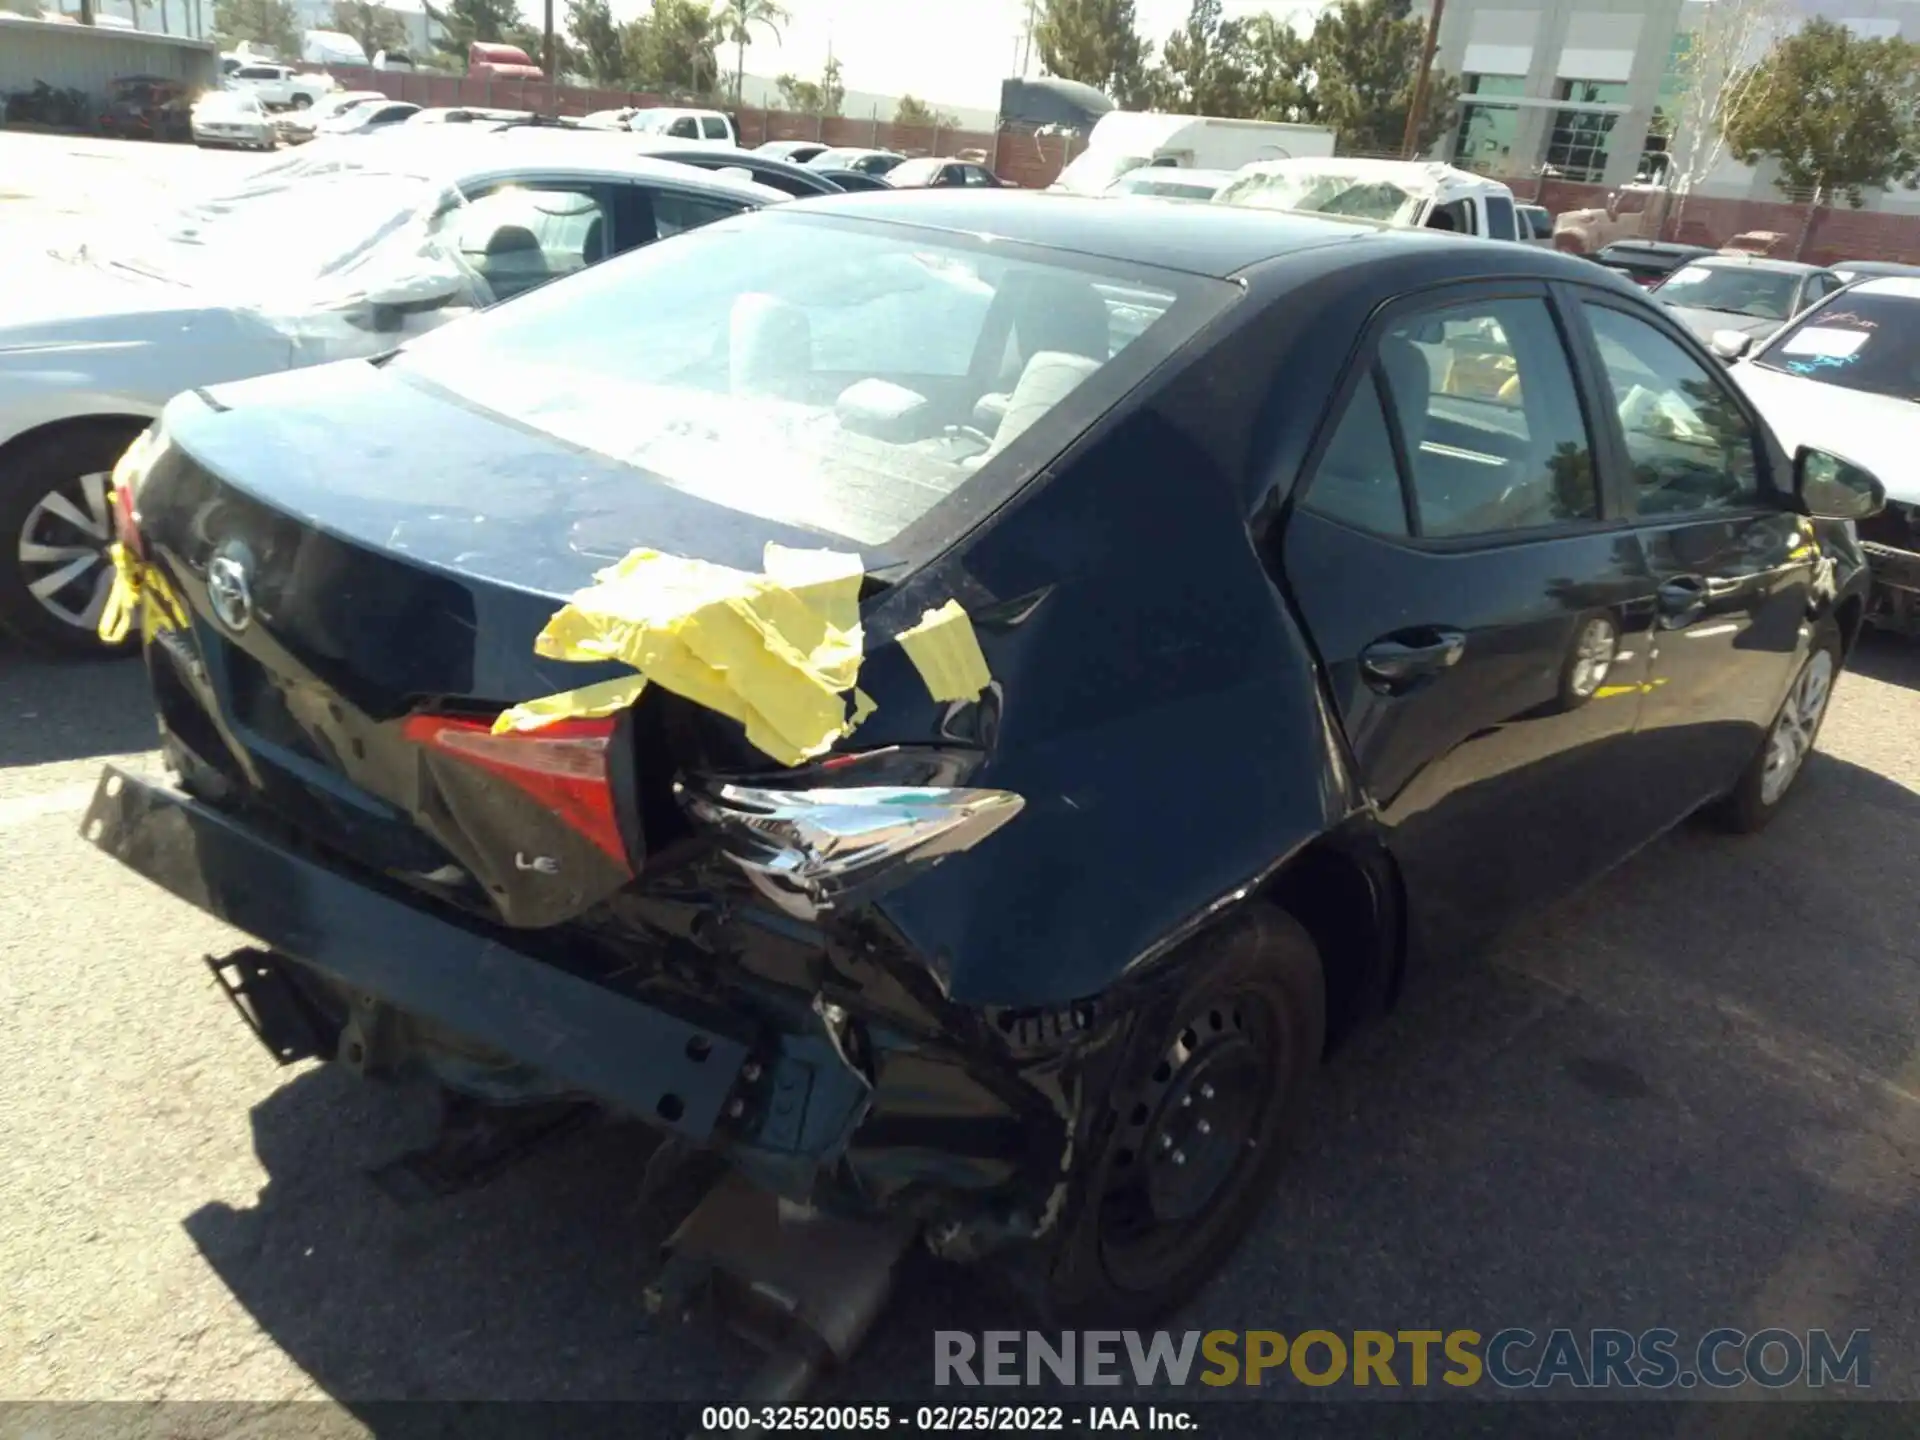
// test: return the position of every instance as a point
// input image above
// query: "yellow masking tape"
(776, 651)
(124, 599)
(584, 703)
(946, 652)
(138, 589)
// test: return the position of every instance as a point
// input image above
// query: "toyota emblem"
(230, 585)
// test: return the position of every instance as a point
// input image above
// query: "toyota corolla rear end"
(342, 577)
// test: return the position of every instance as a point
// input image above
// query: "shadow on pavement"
(1655, 1105)
(1893, 659)
(53, 710)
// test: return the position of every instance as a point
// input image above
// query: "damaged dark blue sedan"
(1308, 596)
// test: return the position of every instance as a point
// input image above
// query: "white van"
(1414, 193)
(331, 47)
(1125, 140)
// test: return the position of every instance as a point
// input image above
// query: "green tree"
(1207, 66)
(1834, 109)
(1365, 55)
(491, 22)
(911, 110)
(1278, 62)
(597, 42)
(813, 97)
(738, 19)
(674, 48)
(1096, 42)
(374, 26)
(265, 22)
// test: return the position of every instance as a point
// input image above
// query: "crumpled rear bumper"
(952, 1134)
(682, 1074)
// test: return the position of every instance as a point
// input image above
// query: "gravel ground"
(1689, 1097)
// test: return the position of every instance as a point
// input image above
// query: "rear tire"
(1776, 765)
(1206, 1100)
(53, 517)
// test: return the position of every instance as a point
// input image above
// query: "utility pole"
(547, 46)
(1026, 39)
(1409, 143)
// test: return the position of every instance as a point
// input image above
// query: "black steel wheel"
(1197, 1124)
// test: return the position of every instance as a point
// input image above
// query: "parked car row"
(750, 684)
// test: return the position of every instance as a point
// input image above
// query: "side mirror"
(1730, 345)
(388, 303)
(1830, 488)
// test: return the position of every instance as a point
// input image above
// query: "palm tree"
(738, 19)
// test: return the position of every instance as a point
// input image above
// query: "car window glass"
(812, 375)
(1357, 480)
(1690, 445)
(673, 213)
(1500, 218)
(1490, 418)
(516, 238)
(684, 129)
(714, 127)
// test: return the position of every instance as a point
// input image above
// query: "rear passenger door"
(1734, 565)
(1479, 603)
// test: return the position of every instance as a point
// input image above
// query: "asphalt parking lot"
(1690, 1097)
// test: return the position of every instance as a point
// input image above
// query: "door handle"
(1682, 598)
(1396, 663)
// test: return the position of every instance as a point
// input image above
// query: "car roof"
(709, 156)
(1656, 247)
(1217, 240)
(1876, 267)
(1722, 261)
(459, 155)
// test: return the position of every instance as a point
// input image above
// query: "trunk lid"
(356, 552)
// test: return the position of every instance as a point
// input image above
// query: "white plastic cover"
(316, 245)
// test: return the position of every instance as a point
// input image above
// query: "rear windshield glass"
(1858, 342)
(835, 377)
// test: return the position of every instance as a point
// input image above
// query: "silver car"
(232, 117)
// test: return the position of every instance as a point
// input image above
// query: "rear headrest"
(1062, 313)
(1410, 379)
(509, 238)
(770, 347)
(1048, 379)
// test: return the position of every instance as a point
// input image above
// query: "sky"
(946, 51)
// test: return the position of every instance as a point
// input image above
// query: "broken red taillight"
(563, 766)
(126, 526)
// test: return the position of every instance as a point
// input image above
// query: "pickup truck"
(1414, 193)
(280, 87)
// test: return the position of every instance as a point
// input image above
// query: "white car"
(1844, 377)
(296, 126)
(232, 117)
(708, 126)
(281, 87)
(342, 249)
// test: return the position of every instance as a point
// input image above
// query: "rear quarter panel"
(1153, 703)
